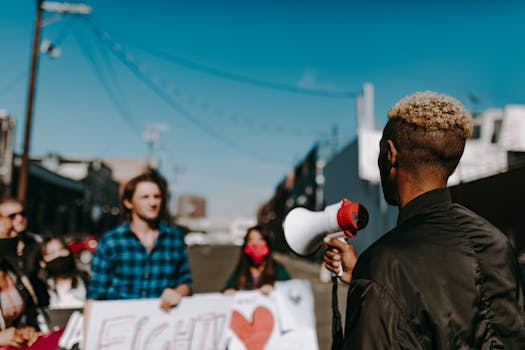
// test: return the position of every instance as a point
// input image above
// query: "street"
(212, 265)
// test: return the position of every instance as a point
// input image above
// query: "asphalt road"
(212, 265)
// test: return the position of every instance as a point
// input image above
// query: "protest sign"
(247, 320)
(283, 320)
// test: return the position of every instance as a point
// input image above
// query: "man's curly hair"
(429, 129)
(432, 112)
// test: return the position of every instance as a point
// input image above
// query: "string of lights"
(238, 78)
(118, 103)
(208, 108)
(158, 86)
(13, 83)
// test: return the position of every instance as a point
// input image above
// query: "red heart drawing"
(255, 334)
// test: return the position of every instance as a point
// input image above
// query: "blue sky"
(248, 137)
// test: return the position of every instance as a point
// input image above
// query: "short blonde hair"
(432, 111)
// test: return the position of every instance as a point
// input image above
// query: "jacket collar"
(424, 203)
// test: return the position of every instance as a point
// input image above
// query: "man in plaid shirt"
(142, 258)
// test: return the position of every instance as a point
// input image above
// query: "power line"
(223, 74)
(206, 107)
(103, 50)
(64, 32)
(10, 85)
(153, 84)
(119, 104)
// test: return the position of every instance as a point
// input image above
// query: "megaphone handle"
(342, 237)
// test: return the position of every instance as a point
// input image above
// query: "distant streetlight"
(152, 138)
(64, 7)
(49, 48)
(40, 7)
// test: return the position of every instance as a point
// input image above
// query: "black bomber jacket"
(443, 278)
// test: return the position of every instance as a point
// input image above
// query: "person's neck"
(145, 231)
(140, 226)
(64, 281)
(256, 270)
(411, 185)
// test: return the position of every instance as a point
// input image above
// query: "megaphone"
(304, 230)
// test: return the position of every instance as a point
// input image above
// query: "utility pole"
(152, 138)
(24, 167)
(41, 6)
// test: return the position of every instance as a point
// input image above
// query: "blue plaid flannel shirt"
(123, 269)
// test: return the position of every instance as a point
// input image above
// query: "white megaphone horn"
(304, 230)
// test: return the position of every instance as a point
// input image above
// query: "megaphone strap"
(337, 326)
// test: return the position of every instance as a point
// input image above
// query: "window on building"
(476, 132)
(497, 131)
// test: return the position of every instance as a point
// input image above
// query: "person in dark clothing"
(256, 269)
(443, 278)
(28, 248)
(20, 318)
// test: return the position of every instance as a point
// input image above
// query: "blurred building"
(100, 192)
(55, 204)
(189, 206)
(302, 187)
(65, 195)
(123, 169)
(7, 126)
(202, 230)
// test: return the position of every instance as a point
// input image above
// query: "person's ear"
(127, 204)
(392, 154)
(42, 264)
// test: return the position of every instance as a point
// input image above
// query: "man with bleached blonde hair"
(443, 278)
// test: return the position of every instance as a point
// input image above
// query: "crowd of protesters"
(443, 278)
(144, 257)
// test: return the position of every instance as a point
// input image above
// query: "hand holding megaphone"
(339, 258)
(304, 230)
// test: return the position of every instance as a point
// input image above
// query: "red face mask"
(257, 251)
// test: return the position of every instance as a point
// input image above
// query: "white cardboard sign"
(244, 321)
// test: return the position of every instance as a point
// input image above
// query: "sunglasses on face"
(14, 215)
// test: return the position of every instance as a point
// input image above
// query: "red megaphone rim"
(351, 217)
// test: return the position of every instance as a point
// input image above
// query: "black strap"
(337, 327)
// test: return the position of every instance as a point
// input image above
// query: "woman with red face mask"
(256, 269)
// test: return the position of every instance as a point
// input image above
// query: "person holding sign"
(142, 258)
(256, 269)
(19, 314)
(444, 277)
(29, 245)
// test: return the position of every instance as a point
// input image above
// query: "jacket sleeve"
(375, 321)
